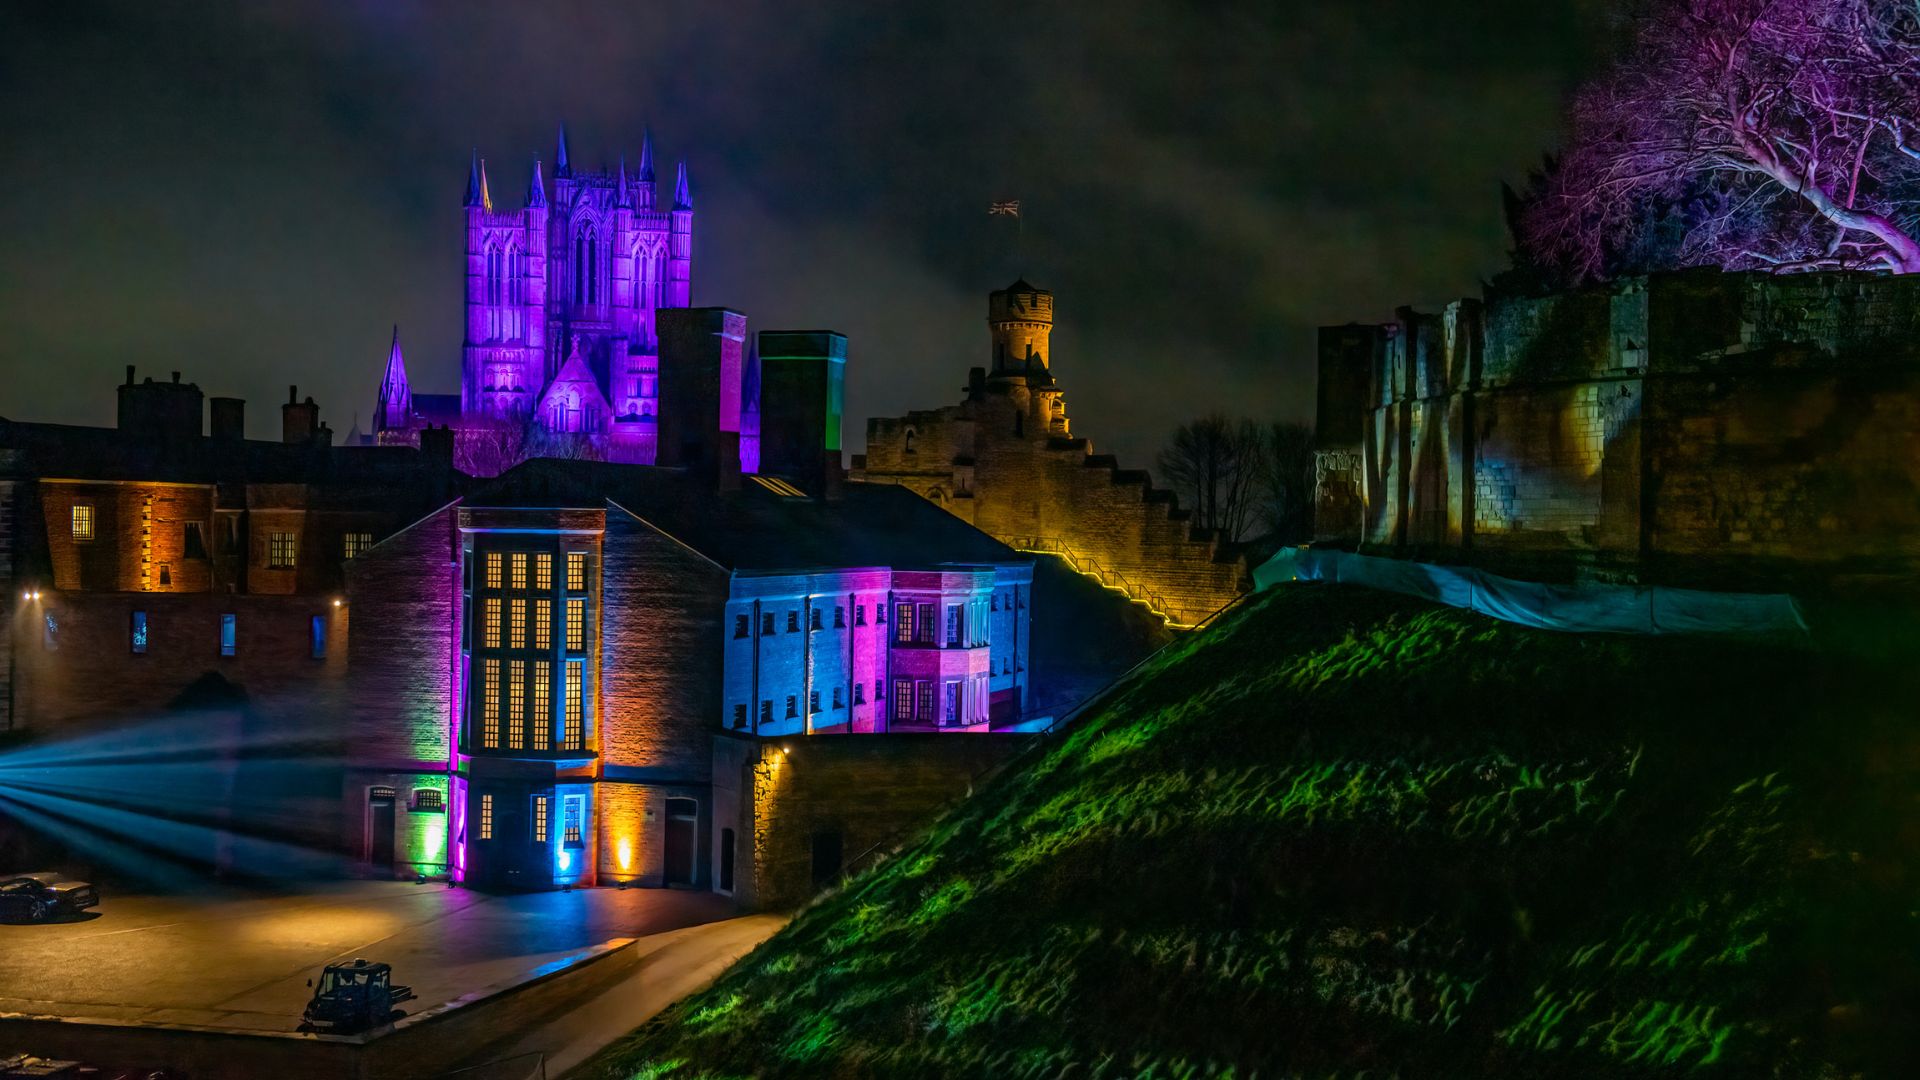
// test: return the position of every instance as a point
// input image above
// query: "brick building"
(1005, 459)
(1695, 428)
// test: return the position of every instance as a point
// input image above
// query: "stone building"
(1005, 459)
(562, 342)
(1696, 428)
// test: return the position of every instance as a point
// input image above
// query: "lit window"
(576, 623)
(83, 521)
(543, 624)
(517, 570)
(543, 572)
(428, 800)
(280, 550)
(490, 623)
(486, 817)
(50, 633)
(903, 622)
(516, 704)
(903, 699)
(542, 705)
(138, 640)
(571, 736)
(229, 635)
(493, 569)
(573, 813)
(317, 637)
(355, 543)
(923, 623)
(539, 819)
(576, 571)
(490, 704)
(517, 625)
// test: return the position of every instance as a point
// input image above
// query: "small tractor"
(355, 997)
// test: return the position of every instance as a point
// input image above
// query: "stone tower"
(1021, 317)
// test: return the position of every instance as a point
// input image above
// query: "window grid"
(543, 624)
(517, 624)
(517, 570)
(355, 543)
(576, 571)
(903, 623)
(572, 736)
(543, 572)
(486, 817)
(82, 521)
(490, 623)
(576, 623)
(542, 705)
(903, 699)
(924, 691)
(280, 550)
(539, 819)
(493, 569)
(516, 704)
(572, 810)
(490, 703)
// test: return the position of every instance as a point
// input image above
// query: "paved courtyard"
(241, 960)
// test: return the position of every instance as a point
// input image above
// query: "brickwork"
(1688, 428)
(1004, 459)
(405, 660)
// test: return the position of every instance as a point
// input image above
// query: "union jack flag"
(1011, 208)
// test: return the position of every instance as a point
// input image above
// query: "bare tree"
(1743, 134)
(1217, 464)
(489, 449)
(1287, 487)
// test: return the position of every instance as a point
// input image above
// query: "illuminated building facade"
(561, 350)
(1005, 460)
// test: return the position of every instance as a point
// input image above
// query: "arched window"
(586, 265)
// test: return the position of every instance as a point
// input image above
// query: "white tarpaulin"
(1613, 609)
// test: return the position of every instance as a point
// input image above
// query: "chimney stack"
(299, 420)
(437, 443)
(229, 418)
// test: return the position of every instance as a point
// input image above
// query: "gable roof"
(754, 529)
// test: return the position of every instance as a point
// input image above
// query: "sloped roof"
(754, 529)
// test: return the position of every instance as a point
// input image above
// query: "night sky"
(253, 193)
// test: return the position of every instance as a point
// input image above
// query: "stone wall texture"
(1691, 428)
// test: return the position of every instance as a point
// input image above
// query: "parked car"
(42, 896)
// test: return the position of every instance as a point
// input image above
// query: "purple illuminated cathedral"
(561, 354)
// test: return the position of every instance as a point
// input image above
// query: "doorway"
(726, 860)
(380, 802)
(682, 815)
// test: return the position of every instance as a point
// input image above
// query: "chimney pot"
(176, 377)
(129, 374)
(293, 395)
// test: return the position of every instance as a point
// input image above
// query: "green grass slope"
(1345, 833)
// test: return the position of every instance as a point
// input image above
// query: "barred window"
(428, 800)
(354, 543)
(280, 550)
(859, 693)
(573, 812)
(813, 619)
(490, 703)
(543, 572)
(486, 817)
(572, 736)
(542, 705)
(516, 704)
(903, 622)
(903, 699)
(82, 521)
(543, 624)
(576, 571)
(517, 570)
(539, 819)
(576, 623)
(859, 614)
(766, 711)
(739, 716)
(490, 623)
(793, 706)
(517, 624)
(793, 622)
(813, 701)
(493, 569)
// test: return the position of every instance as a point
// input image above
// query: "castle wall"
(1703, 428)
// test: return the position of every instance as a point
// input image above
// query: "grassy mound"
(1345, 833)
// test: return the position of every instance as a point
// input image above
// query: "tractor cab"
(354, 997)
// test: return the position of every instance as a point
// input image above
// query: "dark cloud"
(252, 192)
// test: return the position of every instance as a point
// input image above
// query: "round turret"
(1021, 318)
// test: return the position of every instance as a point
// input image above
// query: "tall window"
(486, 817)
(543, 624)
(229, 635)
(955, 626)
(576, 571)
(573, 813)
(516, 704)
(572, 736)
(953, 703)
(517, 624)
(576, 623)
(542, 704)
(280, 550)
(923, 623)
(356, 542)
(137, 634)
(903, 699)
(490, 704)
(903, 622)
(82, 521)
(517, 570)
(924, 691)
(493, 569)
(490, 623)
(539, 819)
(317, 637)
(543, 572)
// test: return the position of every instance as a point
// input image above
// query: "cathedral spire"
(620, 197)
(646, 156)
(473, 181)
(561, 170)
(682, 197)
(536, 188)
(486, 197)
(396, 397)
